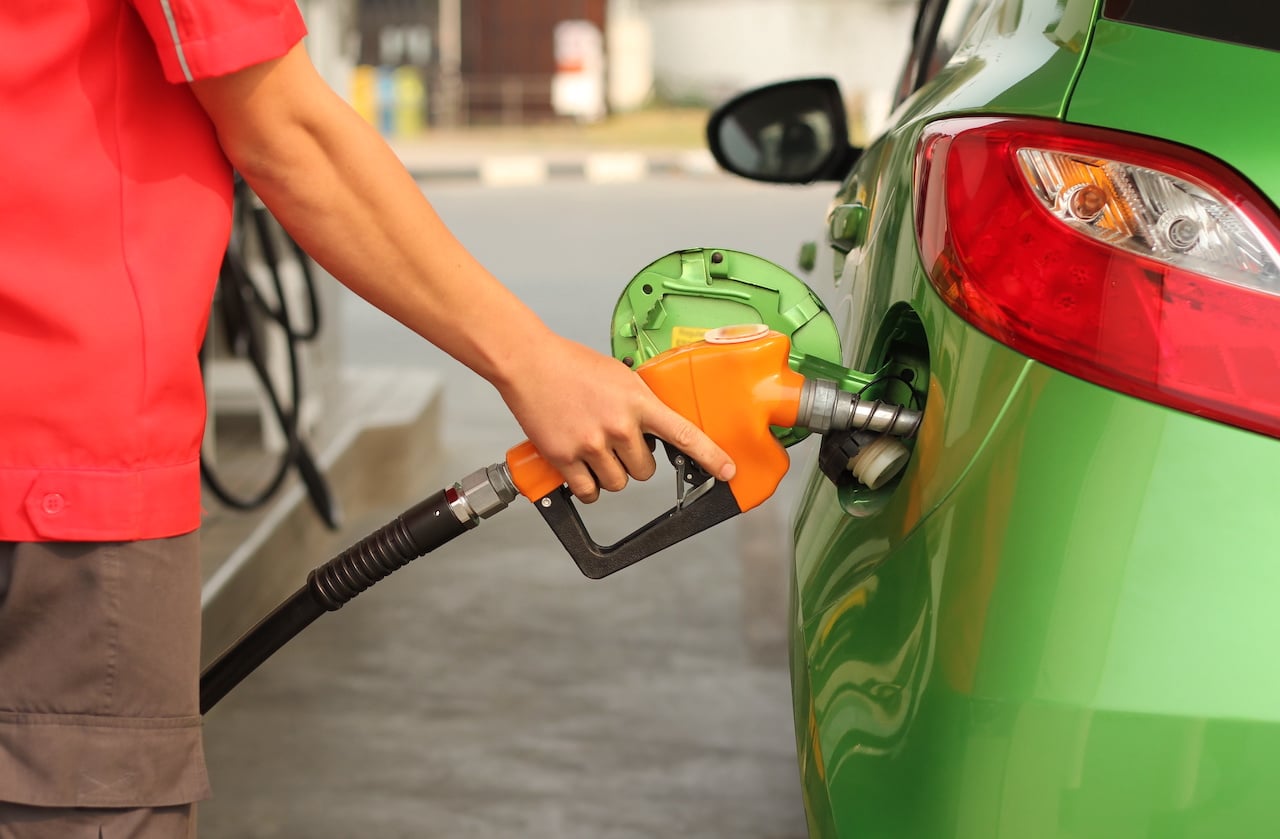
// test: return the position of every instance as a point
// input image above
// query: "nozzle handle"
(675, 525)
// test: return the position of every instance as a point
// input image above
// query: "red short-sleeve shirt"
(114, 215)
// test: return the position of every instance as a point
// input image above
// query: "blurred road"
(489, 690)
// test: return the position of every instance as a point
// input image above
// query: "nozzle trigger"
(711, 507)
(692, 481)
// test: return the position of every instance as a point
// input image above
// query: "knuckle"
(583, 488)
(620, 430)
(644, 471)
(592, 447)
(562, 459)
(685, 434)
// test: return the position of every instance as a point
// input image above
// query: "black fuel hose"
(414, 533)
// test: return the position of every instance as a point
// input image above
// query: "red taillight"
(1134, 264)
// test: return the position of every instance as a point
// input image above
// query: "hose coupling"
(482, 494)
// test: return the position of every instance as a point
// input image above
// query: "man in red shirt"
(120, 122)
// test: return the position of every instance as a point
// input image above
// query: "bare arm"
(343, 194)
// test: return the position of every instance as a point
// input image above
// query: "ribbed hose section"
(418, 531)
(362, 565)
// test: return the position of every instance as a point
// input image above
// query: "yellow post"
(410, 101)
(364, 94)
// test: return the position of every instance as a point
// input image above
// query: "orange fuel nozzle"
(736, 385)
(733, 386)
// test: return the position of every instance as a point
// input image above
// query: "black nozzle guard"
(675, 525)
(838, 448)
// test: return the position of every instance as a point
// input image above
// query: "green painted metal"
(1145, 80)
(1020, 57)
(676, 299)
(807, 256)
(1063, 648)
(1057, 622)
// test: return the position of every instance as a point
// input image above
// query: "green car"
(1062, 618)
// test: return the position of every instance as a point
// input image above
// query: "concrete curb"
(382, 454)
(501, 168)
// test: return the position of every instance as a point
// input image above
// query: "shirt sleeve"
(199, 39)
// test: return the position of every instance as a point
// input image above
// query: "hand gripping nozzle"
(736, 390)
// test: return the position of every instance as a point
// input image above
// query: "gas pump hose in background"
(243, 315)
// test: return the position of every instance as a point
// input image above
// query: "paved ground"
(503, 164)
(489, 690)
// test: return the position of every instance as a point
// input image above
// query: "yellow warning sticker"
(684, 335)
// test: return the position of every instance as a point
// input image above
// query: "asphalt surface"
(489, 690)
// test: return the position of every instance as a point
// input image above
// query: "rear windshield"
(1253, 23)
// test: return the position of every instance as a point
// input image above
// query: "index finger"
(688, 438)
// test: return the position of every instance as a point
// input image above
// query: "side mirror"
(793, 132)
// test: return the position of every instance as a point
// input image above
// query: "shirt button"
(53, 503)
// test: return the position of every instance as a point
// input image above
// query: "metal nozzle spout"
(824, 407)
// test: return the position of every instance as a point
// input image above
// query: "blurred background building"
(447, 63)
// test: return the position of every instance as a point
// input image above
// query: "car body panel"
(1065, 613)
(1057, 622)
(1040, 49)
(1018, 57)
(866, 286)
(1141, 80)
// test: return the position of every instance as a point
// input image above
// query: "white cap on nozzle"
(879, 461)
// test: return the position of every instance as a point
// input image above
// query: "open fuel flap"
(677, 299)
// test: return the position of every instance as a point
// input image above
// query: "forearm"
(348, 201)
(346, 198)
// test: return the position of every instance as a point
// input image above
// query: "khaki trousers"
(100, 731)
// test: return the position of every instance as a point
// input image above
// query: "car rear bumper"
(1074, 640)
